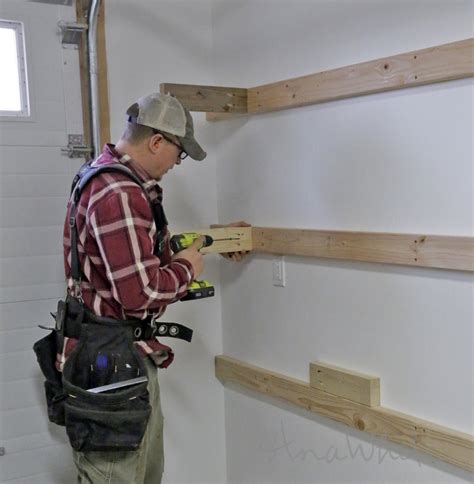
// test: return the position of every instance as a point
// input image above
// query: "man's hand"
(235, 256)
(193, 256)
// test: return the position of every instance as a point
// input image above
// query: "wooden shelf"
(419, 250)
(426, 66)
(436, 251)
(452, 446)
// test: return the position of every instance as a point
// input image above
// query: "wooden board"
(426, 66)
(209, 98)
(81, 14)
(104, 114)
(435, 64)
(452, 446)
(439, 251)
(241, 239)
(103, 84)
(214, 117)
(348, 384)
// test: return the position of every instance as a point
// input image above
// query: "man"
(127, 267)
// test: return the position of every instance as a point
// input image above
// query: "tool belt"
(105, 354)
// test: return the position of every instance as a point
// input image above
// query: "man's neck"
(135, 152)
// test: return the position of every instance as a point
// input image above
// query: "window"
(13, 85)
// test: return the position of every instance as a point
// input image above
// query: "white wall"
(150, 42)
(394, 162)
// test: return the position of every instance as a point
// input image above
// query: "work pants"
(142, 466)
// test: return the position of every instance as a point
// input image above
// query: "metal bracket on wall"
(76, 147)
(71, 32)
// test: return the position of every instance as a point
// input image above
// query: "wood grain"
(452, 446)
(209, 98)
(81, 14)
(435, 64)
(344, 383)
(104, 112)
(440, 63)
(437, 251)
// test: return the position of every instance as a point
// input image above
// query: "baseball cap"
(165, 113)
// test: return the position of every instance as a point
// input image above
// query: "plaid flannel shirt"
(122, 277)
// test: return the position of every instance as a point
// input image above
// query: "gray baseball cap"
(165, 113)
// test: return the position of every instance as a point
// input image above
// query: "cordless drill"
(197, 289)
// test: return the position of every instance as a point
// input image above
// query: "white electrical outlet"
(278, 267)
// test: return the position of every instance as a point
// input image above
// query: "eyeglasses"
(182, 154)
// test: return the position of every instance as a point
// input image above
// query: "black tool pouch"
(115, 419)
(46, 349)
(70, 313)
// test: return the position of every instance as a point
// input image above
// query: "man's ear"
(155, 142)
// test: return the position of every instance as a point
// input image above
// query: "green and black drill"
(197, 289)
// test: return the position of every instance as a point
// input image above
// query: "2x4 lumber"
(82, 7)
(104, 112)
(452, 446)
(227, 239)
(360, 388)
(209, 98)
(426, 66)
(81, 15)
(436, 251)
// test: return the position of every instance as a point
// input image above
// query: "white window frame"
(18, 27)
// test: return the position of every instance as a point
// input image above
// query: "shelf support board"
(452, 446)
(440, 63)
(209, 98)
(436, 251)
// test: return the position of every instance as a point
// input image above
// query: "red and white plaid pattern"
(116, 237)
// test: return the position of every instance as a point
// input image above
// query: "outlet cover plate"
(278, 272)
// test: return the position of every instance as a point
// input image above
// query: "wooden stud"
(452, 446)
(104, 114)
(209, 98)
(438, 251)
(81, 14)
(348, 384)
(241, 239)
